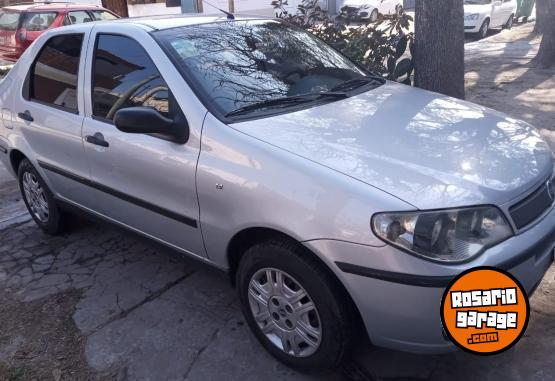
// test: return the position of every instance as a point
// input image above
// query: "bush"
(379, 47)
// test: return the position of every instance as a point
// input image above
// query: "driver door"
(142, 181)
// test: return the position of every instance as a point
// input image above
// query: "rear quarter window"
(38, 21)
(9, 20)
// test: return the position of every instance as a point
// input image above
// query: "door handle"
(97, 139)
(26, 116)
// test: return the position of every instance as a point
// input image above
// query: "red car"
(21, 24)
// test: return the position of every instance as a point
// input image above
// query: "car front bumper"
(399, 295)
(473, 26)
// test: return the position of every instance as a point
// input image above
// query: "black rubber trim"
(3, 149)
(402, 278)
(539, 248)
(133, 200)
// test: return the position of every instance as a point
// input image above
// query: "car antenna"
(230, 15)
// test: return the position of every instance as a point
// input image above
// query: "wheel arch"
(16, 157)
(248, 237)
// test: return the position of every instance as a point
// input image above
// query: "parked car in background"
(338, 202)
(482, 15)
(369, 10)
(21, 24)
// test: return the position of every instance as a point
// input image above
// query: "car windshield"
(9, 20)
(477, 1)
(238, 64)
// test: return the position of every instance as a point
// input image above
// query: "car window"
(77, 17)
(53, 76)
(125, 76)
(35, 22)
(9, 20)
(103, 15)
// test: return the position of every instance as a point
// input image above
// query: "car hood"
(476, 8)
(429, 150)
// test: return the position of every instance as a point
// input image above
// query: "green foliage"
(379, 47)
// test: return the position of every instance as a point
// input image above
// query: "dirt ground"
(39, 340)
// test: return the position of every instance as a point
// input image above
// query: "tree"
(546, 18)
(541, 13)
(439, 46)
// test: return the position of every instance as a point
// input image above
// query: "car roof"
(174, 21)
(50, 7)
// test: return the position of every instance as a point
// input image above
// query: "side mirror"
(146, 120)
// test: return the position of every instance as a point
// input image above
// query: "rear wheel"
(509, 23)
(39, 199)
(294, 307)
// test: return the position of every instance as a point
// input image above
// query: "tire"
(373, 16)
(509, 23)
(332, 322)
(483, 32)
(39, 199)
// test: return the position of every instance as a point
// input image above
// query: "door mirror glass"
(146, 120)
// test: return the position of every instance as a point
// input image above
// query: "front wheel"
(483, 32)
(294, 307)
(39, 199)
(374, 15)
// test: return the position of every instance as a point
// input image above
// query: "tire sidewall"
(374, 15)
(484, 29)
(509, 23)
(330, 350)
(52, 225)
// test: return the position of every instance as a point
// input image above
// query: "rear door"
(49, 112)
(77, 17)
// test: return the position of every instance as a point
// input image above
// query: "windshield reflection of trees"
(249, 62)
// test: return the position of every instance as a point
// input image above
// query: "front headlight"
(472, 16)
(444, 235)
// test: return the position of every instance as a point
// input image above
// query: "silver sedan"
(338, 202)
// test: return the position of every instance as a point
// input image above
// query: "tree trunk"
(541, 14)
(439, 46)
(546, 53)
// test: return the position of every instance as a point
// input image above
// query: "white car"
(482, 15)
(370, 9)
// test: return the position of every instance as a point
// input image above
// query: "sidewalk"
(499, 75)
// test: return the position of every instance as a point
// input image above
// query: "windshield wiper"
(286, 102)
(358, 82)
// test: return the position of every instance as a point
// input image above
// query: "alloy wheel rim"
(285, 312)
(485, 28)
(35, 196)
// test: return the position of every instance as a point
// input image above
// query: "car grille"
(533, 206)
